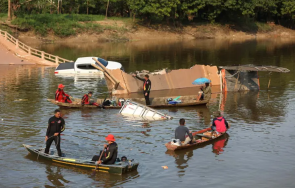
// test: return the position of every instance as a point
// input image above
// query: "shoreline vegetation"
(129, 20)
(47, 28)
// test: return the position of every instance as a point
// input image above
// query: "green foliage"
(62, 25)
(43, 17)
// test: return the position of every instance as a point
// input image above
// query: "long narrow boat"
(157, 102)
(117, 168)
(78, 105)
(199, 141)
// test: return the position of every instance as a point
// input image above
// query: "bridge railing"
(32, 51)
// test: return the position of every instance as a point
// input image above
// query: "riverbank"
(94, 28)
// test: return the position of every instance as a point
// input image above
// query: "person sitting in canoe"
(61, 96)
(86, 99)
(205, 93)
(56, 125)
(219, 124)
(110, 152)
(181, 131)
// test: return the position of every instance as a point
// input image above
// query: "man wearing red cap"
(110, 152)
(61, 96)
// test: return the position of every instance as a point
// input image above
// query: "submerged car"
(83, 66)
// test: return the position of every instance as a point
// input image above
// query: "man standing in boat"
(61, 96)
(181, 131)
(110, 152)
(56, 125)
(86, 99)
(219, 124)
(147, 85)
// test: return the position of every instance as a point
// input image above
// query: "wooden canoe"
(157, 102)
(117, 168)
(78, 105)
(197, 134)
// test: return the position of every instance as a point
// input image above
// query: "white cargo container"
(131, 108)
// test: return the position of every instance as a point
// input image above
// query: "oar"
(98, 164)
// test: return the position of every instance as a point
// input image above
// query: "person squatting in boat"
(181, 131)
(109, 153)
(61, 96)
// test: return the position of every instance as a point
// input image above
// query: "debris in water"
(19, 100)
(165, 167)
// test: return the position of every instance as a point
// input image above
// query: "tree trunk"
(51, 7)
(9, 10)
(87, 7)
(57, 6)
(107, 8)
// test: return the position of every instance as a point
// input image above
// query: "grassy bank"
(64, 25)
(81, 28)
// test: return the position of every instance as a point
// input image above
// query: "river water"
(258, 151)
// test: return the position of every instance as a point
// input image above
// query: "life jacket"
(61, 96)
(220, 125)
(85, 99)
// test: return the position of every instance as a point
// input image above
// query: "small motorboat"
(117, 168)
(83, 66)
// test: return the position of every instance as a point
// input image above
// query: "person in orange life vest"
(147, 85)
(110, 152)
(86, 99)
(61, 96)
(219, 124)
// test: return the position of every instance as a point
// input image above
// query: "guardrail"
(32, 51)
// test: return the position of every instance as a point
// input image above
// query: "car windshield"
(102, 61)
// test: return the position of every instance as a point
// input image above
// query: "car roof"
(85, 60)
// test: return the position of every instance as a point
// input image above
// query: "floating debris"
(165, 167)
(20, 100)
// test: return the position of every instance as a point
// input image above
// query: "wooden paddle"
(98, 164)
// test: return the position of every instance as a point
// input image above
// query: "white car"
(83, 66)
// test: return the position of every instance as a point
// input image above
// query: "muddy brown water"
(258, 151)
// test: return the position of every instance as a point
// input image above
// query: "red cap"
(60, 86)
(110, 137)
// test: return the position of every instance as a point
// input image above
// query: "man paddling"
(86, 99)
(147, 85)
(56, 125)
(61, 96)
(110, 152)
(181, 131)
(219, 124)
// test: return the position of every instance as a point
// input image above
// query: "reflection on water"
(261, 136)
(217, 146)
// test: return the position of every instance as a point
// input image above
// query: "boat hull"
(86, 164)
(77, 104)
(171, 147)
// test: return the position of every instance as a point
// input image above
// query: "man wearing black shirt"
(56, 125)
(147, 85)
(110, 152)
